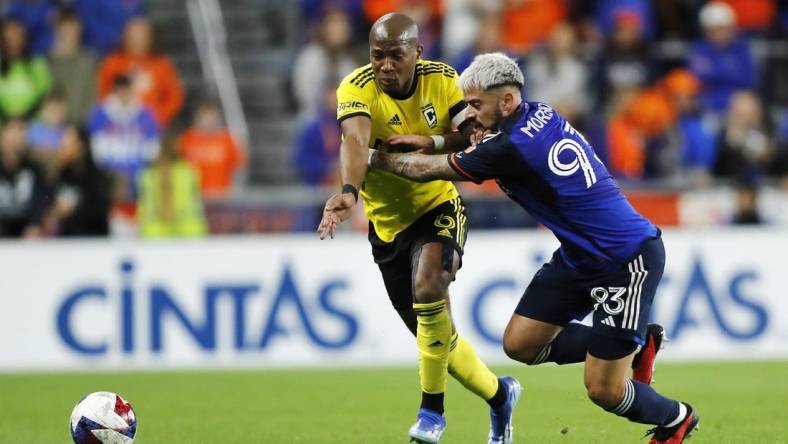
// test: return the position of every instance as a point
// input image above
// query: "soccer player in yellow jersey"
(417, 230)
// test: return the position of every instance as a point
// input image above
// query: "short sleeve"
(351, 102)
(490, 159)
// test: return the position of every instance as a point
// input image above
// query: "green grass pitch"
(738, 403)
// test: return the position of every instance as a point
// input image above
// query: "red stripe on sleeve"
(453, 163)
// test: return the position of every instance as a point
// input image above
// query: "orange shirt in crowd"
(648, 115)
(652, 112)
(374, 9)
(528, 22)
(153, 78)
(215, 155)
(754, 14)
(625, 148)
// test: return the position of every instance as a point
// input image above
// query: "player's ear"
(503, 103)
(508, 101)
(419, 51)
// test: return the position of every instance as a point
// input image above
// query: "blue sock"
(643, 404)
(570, 346)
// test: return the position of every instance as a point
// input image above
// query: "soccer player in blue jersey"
(610, 260)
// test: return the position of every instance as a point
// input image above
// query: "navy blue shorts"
(621, 299)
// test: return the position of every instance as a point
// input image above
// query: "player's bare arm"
(353, 157)
(353, 150)
(414, 166)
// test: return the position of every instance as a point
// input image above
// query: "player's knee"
(519, 352)
(604, 393)
(431, 287)
(513, 351)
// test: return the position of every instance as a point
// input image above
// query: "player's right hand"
(339, 208)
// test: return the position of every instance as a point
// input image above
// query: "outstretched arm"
(356, 132)
(414, 166)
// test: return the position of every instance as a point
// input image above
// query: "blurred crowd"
(86, 111)
(687, 93)
(93, 129)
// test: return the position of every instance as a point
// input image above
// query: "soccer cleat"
(429, 427)
(678, 433)
(646, 358)
(501, 429)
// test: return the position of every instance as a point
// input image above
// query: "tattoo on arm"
(416, 167)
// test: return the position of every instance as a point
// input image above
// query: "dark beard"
(498, 118)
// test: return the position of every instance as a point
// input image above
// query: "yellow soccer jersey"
(391, 202)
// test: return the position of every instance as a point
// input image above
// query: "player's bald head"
(394, 28)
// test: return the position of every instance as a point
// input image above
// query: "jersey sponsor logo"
(430, 115)
(353, 104)
(580, 161)
(395, 120)
(538, 120)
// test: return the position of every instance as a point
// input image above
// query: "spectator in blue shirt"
(124, 138)
(38, 17)
(104, 21)
(690, 150)
(46, 130)
(316, 150)
(722, 60)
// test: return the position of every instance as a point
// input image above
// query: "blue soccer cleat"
(429, 427)
(501, 429)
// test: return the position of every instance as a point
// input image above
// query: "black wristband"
(348, 188)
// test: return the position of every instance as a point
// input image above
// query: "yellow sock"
(466, 367)
(433, 334)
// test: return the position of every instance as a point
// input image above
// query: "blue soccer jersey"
(541, 162)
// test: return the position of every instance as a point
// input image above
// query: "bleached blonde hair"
(491, 70)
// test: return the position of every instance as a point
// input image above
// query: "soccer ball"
(103, 418)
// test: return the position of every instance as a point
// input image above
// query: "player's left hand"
(339, 208)
(479, 133)
(405, 143)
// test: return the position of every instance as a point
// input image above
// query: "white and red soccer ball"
(103, 418)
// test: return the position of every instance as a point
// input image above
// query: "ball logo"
(580, 161)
